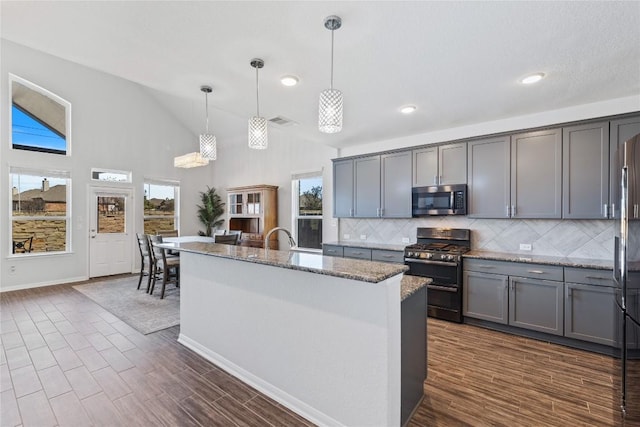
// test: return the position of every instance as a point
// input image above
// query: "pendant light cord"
(257, 95)
(206, 101)
(331, 86)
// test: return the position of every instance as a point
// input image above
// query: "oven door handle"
(442, 288)
(420, 261)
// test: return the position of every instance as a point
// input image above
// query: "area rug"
(143, 312)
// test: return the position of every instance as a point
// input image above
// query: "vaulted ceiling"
(458, 62)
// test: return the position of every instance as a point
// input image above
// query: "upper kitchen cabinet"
(620, 131)
(536, 174)
(489, 174)
(585, 171)
(373, 186)
(440, 165)
(343, 188)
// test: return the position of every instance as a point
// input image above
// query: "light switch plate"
(405, 240)
(525, 246)
(363, 237)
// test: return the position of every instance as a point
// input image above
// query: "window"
(307, 210)
(40, 120)
(108, 175)
(161, 206)
(40, 211)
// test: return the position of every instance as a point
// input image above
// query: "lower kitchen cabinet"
(358, 252)
(536, 304)
(590, 313)
(485, 296)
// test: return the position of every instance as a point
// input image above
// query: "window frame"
(176, 200)
(295, 206)
(48, 173)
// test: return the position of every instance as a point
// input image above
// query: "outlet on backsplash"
(363, 237)
(525, 246)
(346, 236)
(405, 240)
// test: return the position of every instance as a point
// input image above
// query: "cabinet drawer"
(588, 276)
(387, 256)
(538, 271)
(332, 250)
(360, 253)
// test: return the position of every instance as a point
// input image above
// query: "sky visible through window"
(31, 133)
(307, 183)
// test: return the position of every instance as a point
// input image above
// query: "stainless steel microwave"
(439, 200)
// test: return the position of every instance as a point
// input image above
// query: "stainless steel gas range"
(438, 255)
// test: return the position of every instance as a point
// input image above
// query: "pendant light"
(190, 160)
(257, 124)
(330, 111)
(208, 149)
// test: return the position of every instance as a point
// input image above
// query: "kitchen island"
(321, 335)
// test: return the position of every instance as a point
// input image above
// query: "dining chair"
(146, 265)
(163, 264)
(22, 246)
(167, 233)
(238, 232)
(227, 239)
(220, 232)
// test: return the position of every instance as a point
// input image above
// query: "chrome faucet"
(292, 242)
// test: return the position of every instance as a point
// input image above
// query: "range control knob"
(423, 255)
(429, 256)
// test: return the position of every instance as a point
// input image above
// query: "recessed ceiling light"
(533, 78)
(408, 109)
(289, 80)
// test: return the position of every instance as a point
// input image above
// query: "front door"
(110, 231)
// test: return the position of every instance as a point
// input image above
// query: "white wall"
(115, 124)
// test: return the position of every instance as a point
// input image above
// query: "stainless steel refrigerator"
(626, 275)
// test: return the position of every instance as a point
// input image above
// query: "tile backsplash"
(569, 238)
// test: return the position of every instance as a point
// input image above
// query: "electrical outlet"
(525, 246)
(405, 240)
(12, 269)
(363, 237)
(346, 236)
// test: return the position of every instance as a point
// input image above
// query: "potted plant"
(210, 211)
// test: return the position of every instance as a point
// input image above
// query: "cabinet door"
(367, 187)
(343, 188)
(396, 185)
(254, 203)
(452, 164)
(590, 313)
(485, 296)
(536, 304)
(620, 130)
(489, 174)
(425, 167)
(536, 174)
(236, 203)
(585, 171)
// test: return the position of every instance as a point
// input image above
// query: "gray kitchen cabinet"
(396, 185)
(367, 187)
(387, 256)
(536, 304)
(488, 170)
(620, 131)
(536, 174)
(358, 253)
(585, 171)
(333, 250)
(440, 165)
(485, 296)
(343, 188)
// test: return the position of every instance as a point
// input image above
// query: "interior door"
(110, 231)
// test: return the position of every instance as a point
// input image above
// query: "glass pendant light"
(330, 111)
(208, 149)
(257, 124)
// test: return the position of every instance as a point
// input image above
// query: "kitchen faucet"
(292, 242)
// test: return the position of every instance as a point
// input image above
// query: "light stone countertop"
(412, 284)
(357, 244)
(599, 264)
(347, 268)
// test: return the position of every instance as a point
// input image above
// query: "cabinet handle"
(597, 278)
(569, 293)
(381, 212)
(485, 266)
(635, 210)
(351, 212)
(387, 256)
(440, 180)
(331, 251)
(606, 210)
(508, 212)
(613, 210)
(357, 253)
(513, 287)
(513, 210)
(535, 271)
(435, 179)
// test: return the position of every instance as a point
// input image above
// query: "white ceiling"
(459, 62)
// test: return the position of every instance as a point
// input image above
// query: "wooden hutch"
(254, 210)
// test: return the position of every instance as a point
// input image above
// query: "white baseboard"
(41, 284)
(261, 385)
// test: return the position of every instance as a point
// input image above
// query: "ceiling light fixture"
(331, 100)
(408, 109)
(257, 125)
(190, 160)
(208, 149)
(533, 78)
(289, 80)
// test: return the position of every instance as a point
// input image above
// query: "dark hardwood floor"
(66, 361)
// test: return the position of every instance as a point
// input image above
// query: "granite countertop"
(412, 284)
(356, 244)
(600, 264)
(347, 268)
